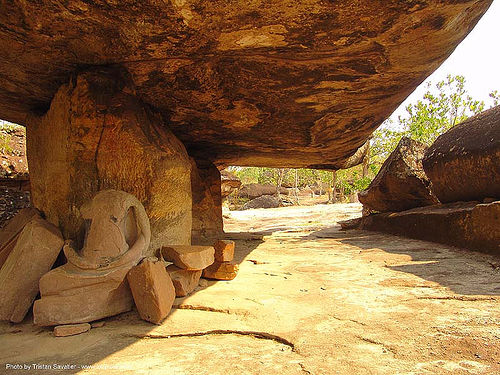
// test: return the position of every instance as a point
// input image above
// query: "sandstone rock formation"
(220, 271)
(224, 250)
(222, 268)
(264, 201)
(242, 83)
(35, 252)
(71, 329)
(10, 233)
(152, 289)
(229, 183)
(92, 284)
(463, 164)
(97, 135)
(401, 183)
(464, 224)
(207, 201)
(185, 281)
(189, 257)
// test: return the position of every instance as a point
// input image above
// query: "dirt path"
(309, 299)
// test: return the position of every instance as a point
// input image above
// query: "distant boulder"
(253, 191)
(264, 201)
(401, 183)
(463, 164)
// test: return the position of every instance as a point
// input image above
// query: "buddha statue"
(92, 284)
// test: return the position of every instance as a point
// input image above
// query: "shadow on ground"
(463, 271)
(118, 332)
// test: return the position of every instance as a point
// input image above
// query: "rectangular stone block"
(10, 233)
(221, 271)
(33, 255)
(224, 250)
(184, 280)
(152, 290)
(189, 257)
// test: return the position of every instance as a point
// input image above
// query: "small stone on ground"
(71, 329)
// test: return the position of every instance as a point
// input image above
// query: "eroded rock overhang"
(274, 83)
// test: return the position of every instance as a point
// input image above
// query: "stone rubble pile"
(108, 275)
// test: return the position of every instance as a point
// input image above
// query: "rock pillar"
(98, 135)
(207, 201)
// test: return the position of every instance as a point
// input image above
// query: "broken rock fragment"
(221, 271)
(152, 290)
(71, 329)
(189, 257)
(10, 233)
(224, 250)
(184, 280)
(33, 255)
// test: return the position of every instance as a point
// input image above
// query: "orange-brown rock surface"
(184, 280)
(35, 252)
(97, 135)
(207, 201)
(284, 83)
(92, 284)
(10, 233)
(464, 224)
(401, 183)
(229, 183)
(224, 250)
(71, 329)
(189, 257)
(463, 164)
(221, 271)
(152, 289)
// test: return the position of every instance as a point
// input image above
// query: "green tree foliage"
(443, 106)
(6, 130)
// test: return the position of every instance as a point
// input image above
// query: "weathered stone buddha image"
(116, 238)
(250, 187)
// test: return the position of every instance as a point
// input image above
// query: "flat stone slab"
(221, 271)
(224, 250)
(10, 233)
(189, 257)
(91, 299)
(35, 252)
(185, 281)
(152, 289)
(71, 329)
(470, 225)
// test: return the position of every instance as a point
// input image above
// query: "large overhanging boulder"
(280, 83)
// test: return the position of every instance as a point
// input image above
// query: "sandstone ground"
(308, 299)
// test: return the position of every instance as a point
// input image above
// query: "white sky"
(477, 58)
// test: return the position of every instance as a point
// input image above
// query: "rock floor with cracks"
(308, 299)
